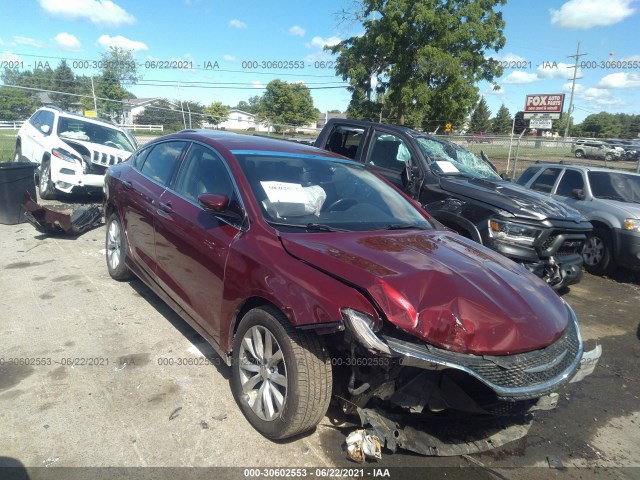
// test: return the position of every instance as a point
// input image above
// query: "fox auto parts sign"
(551, 103)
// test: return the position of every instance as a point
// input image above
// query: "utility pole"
(93, 92)
(573, 87)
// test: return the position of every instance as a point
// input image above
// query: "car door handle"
(165, 207)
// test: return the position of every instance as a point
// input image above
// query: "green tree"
(502, 122)
(287, 104)
(111, 94)
(603, 124)
(216, 113)
(16, 104)
(64, 80)
(480, 118)
(252, 106)
(162, 113)
(427, 54)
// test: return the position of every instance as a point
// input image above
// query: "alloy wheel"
(113, 245)
(593, 251)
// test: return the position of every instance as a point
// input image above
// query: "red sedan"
(313, 277)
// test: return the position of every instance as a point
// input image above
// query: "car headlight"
(632, 224)
(362, 326)
(516, 232)
(64, 155)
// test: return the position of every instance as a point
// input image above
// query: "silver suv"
(610, 199)
(73, 152)
(596, 149)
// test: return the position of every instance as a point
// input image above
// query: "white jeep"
(73, 151)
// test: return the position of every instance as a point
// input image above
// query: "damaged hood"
(100, 154)
(511, 197)
(441, 288)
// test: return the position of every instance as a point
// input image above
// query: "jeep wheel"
(45, 185)
(579, 154)
(116, 246)
(597, 252)
(608, 157)
(281, 376)
(17, 157)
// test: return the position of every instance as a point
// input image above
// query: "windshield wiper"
(307, 226)
(405, 226)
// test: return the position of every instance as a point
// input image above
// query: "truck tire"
(46, 189)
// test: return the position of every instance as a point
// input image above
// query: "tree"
(287, 104)
(603, 124)
(16, 104)
(427, 55)
(64, 80)
(502, 122)
(162, 113)
(216, 113)
(252, 106)
(480, 118)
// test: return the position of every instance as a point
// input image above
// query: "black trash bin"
(15, 178)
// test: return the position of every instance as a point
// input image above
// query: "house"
(240, 120)
(323, 118)
(132, 107)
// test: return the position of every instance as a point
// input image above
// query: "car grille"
(516, 377)
(105, 159)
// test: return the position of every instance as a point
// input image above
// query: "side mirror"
(504, 176)
(45, 129)
(213, 201)
(578, 193)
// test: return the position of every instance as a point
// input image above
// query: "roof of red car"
(234, 142)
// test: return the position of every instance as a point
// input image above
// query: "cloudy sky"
(229, 51)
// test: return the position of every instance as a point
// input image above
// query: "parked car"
(596, 149)
(465, 193)
(610, 199)
(73, 152)
(312, 277)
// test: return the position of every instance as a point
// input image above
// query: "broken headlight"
(515, 232)
(64, 155)
(363, 327)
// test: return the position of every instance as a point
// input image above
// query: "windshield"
(305, 192)
(615, 186)
(77, 129)
(450, 159)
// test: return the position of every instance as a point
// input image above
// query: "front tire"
(116, 246)
(281, 376)
(579, 154)
(597, 252)
(46, 189)
(17, 156)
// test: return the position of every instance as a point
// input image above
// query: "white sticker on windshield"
(281, 192)
(447, 167)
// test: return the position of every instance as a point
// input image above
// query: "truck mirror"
(578, 193)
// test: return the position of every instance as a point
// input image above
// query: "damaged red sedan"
(315, 279)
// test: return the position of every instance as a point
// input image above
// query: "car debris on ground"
(47, 219)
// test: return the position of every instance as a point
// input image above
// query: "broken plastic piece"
(362, 445)
(49, 220)
(588, 363)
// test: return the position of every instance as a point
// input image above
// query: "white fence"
(150, 128)
(9, 125)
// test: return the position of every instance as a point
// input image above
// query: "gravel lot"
(146, 391)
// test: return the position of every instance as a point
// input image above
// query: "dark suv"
(464, 192)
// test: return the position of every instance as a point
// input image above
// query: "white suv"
(73, 151)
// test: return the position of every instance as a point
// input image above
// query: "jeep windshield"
(323, 194)
(615, 186)
(447, 158)
(78, 129)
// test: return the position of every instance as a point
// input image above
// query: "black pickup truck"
(465, 193)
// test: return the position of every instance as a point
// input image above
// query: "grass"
(7, 144)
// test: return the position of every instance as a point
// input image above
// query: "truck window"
(526, 176)
(345, 140)
(570, 181)
(546, 180)
(388, 151)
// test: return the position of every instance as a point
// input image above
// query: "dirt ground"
(111, 377)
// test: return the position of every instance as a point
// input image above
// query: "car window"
(46, 118)
(140, 157)
(527, 175)
(388, 151)
(35, 119)
(615, 186)
(203, 172)
(571, 180)
(546, 180)
(345, 140)
(162, 161)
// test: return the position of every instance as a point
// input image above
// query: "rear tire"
(597, 252)
(17, 157)
(116, 246)
(46, 189)
(579, 154)
(281, 377)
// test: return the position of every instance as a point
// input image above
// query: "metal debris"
(46, 219)
(362, 445)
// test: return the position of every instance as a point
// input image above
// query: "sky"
(229, 51)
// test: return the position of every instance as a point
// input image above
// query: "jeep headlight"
(632, 224)
(515, 232)
(64, 155)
